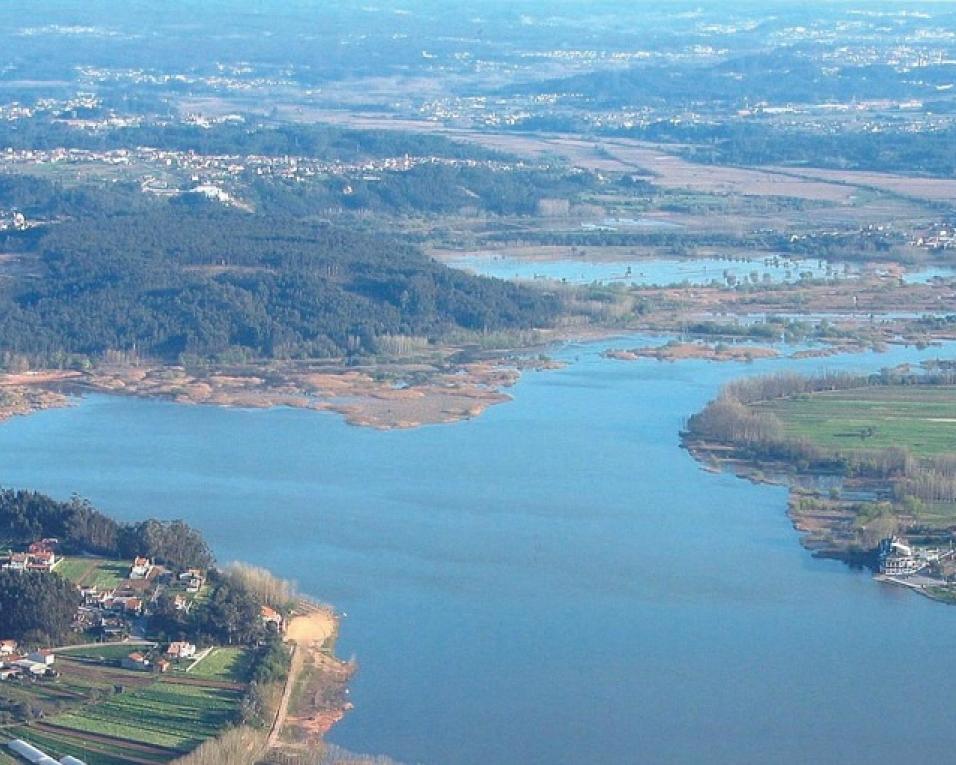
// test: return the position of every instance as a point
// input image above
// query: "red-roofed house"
(271, 616)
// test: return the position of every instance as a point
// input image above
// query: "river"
(554, 582)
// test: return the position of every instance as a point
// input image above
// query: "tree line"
(26, 516)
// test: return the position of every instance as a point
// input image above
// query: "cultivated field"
(920, 418)
(94, 572)
(110, 716)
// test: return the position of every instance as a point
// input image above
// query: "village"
(122, 665)
(117, 599)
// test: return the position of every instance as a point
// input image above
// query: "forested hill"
(195, 280)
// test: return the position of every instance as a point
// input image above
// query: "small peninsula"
(127, 643)
(870, 462)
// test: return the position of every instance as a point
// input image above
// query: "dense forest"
(36, 607)
(427, 188)
(200, 281)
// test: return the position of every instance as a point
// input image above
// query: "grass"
(103, 573)
(231, 664)
(106, 651)
(108, 574)
(76, 569)
(921, 418)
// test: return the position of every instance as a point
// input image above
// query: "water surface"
(553, 582)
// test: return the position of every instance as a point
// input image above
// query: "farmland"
(231, 664)
(116, 716)
(919, 418)
(102, 573)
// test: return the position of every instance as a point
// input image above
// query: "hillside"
(188, 279)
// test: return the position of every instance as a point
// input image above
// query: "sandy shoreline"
(387, 397)
(316, 696)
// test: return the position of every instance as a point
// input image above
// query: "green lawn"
(231, 664)
(101, 572)
(109, 574)
(921, 418)
(76, 569)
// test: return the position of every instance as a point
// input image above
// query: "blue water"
(645, 272)
(553, 582)
(665, 271)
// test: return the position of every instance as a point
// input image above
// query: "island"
(127, 643)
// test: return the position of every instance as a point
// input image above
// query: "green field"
(86, 572)
(177, 717)
(230, 664)
(921, 418)
(109, 716)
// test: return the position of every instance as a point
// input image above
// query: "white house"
(44, 657)
(181, 650)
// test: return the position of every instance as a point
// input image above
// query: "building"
(899, 558)
(136, 661)
(181, 650)
(30, 667)
(44, 656)
(141, 568)
(127, 604)
(8, 647)
(40, 560)
(17, 561)
(30, 753)
(163, 665)
(271, 616)
(43, 545)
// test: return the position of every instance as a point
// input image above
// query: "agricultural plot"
(921, 418)
(230, 663)
(104, 652)
(77, 569)
(60, 743)
(100, 572)
(111, 716)
(163, 715)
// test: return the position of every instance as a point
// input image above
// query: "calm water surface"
(554, 582)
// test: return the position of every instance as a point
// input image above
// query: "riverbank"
(385, 397)
(449, 383)
(868, 461)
